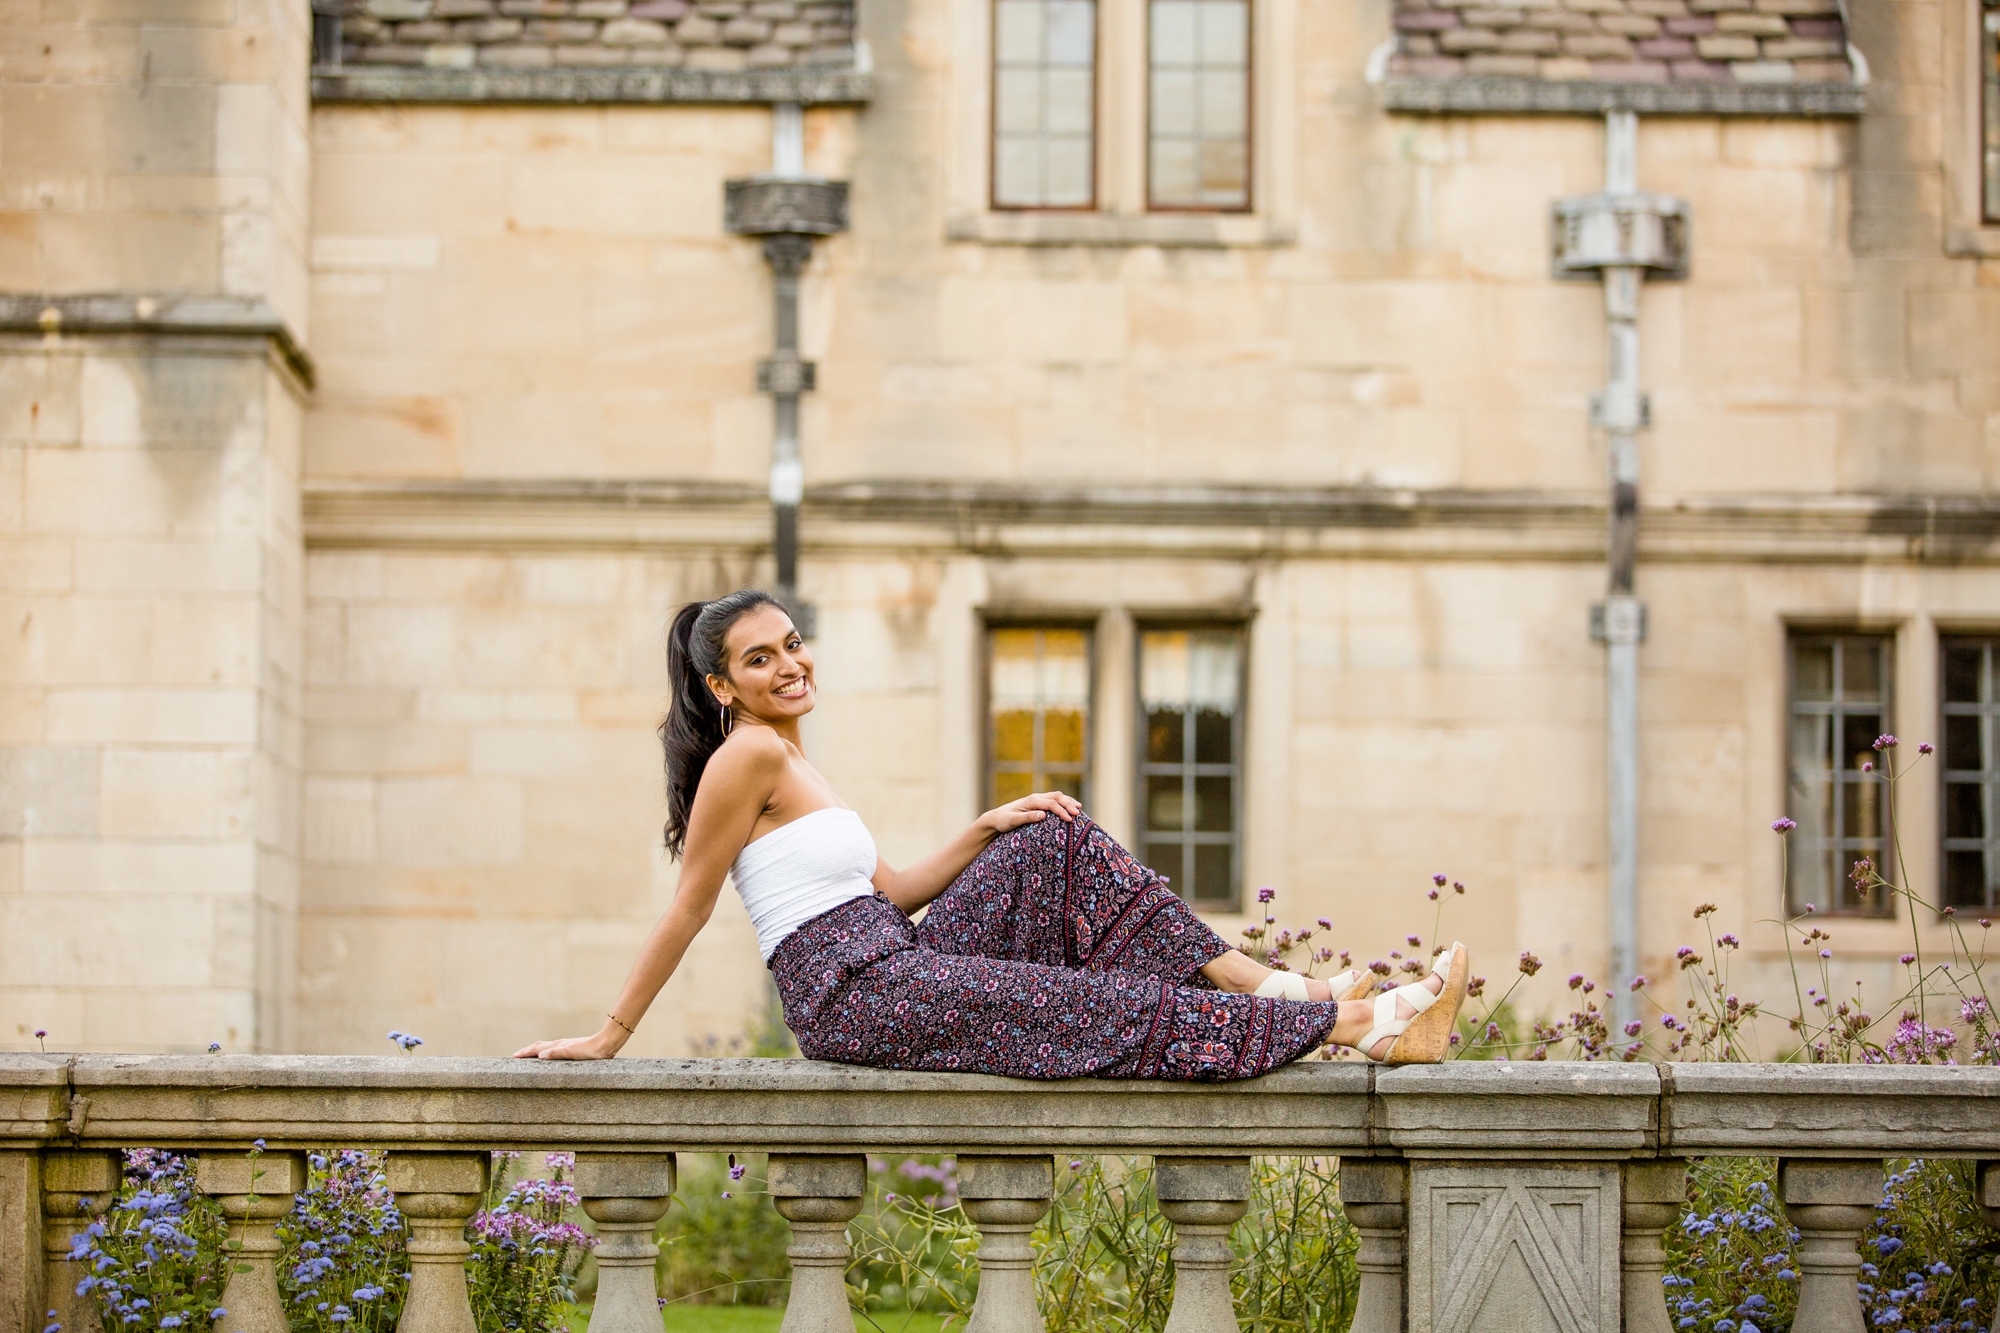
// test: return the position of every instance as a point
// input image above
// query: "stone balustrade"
(1487, 1196)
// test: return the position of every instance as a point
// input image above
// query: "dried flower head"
(1529, 964)
(1706, 909)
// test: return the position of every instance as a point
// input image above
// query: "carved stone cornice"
(1251, 522)
(208, 317)
(1587, 97)
(808, 85)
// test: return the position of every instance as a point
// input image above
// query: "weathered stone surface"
(1526, 1246)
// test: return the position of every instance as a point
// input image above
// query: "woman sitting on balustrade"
(1047, 952)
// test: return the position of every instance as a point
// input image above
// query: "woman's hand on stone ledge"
(594, 1047)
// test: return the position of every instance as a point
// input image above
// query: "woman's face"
(770, 670)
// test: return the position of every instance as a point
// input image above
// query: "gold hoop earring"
(728, 720)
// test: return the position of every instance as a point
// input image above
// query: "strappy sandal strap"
(1292, 986)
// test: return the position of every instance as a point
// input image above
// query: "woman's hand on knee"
(1031, 810)
(568, 1048)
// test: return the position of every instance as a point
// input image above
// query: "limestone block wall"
(483, 803)
(516, 293)
(152, 159)
(150, 732)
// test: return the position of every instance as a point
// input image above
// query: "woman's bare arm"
(910, 889)
(735, 787)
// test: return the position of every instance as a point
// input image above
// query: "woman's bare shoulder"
(749, 753)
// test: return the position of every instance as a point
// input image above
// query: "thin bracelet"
(621, 1023)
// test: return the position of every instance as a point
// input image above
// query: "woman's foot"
(1363, 1019)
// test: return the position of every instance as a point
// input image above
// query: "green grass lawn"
(682, 1318)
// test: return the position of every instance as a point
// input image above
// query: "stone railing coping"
(1462, 1110)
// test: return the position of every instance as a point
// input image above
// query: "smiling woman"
(1048, 951)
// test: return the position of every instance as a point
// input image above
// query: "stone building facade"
(1194, 419)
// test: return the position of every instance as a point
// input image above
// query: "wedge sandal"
(1424, 1037)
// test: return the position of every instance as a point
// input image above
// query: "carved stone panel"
(1505, 1248)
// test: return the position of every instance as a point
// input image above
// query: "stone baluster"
(818, 1196)
(1831, 1201)
(1989, 1203)
(625, 1194)
(438, 1192)
(1375, 1196)
(1006, 1197)
(76, 1187)
(1203, 1197)
(254, 1191)
(1654, 1193)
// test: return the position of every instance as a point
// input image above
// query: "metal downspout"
(1620, 236)
(787, 209)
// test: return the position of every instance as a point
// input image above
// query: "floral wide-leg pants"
(1055, 954)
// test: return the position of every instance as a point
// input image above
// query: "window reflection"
(1038, 692)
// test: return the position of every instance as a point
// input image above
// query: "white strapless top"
(801, 869)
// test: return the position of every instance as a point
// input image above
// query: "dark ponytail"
(693, 729)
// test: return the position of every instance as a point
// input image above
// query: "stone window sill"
(1193, 230)
(1982, 242)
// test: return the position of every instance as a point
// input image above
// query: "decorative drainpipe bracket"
(1593, 232)
(788, 209)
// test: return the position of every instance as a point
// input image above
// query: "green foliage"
(721, 1241)
(1103, 1254)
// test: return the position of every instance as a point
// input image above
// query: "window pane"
(1225, 34)
(1224, 109)
(1164, 858)
(1961, 743)
(1017, 32)
(1213, 812)
(1067, 104)
(1174, 110)
(1212, 873)
(1861, 668)
(1164, 729)
(1214, 737)
(1224, 172)
(1965, 879)
(1012, 787)
(1017, 172)
(1812, 671)
(1166, 807)
(1038, 700)
(1014, 736)
(1017, 104)
(1173, 23)
(1044, 113)
(1961, 675)
(1072, 32)
(1062, 736)
(1174, 171)
(1963, 815)
(1066, 182)
(1857, 736)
